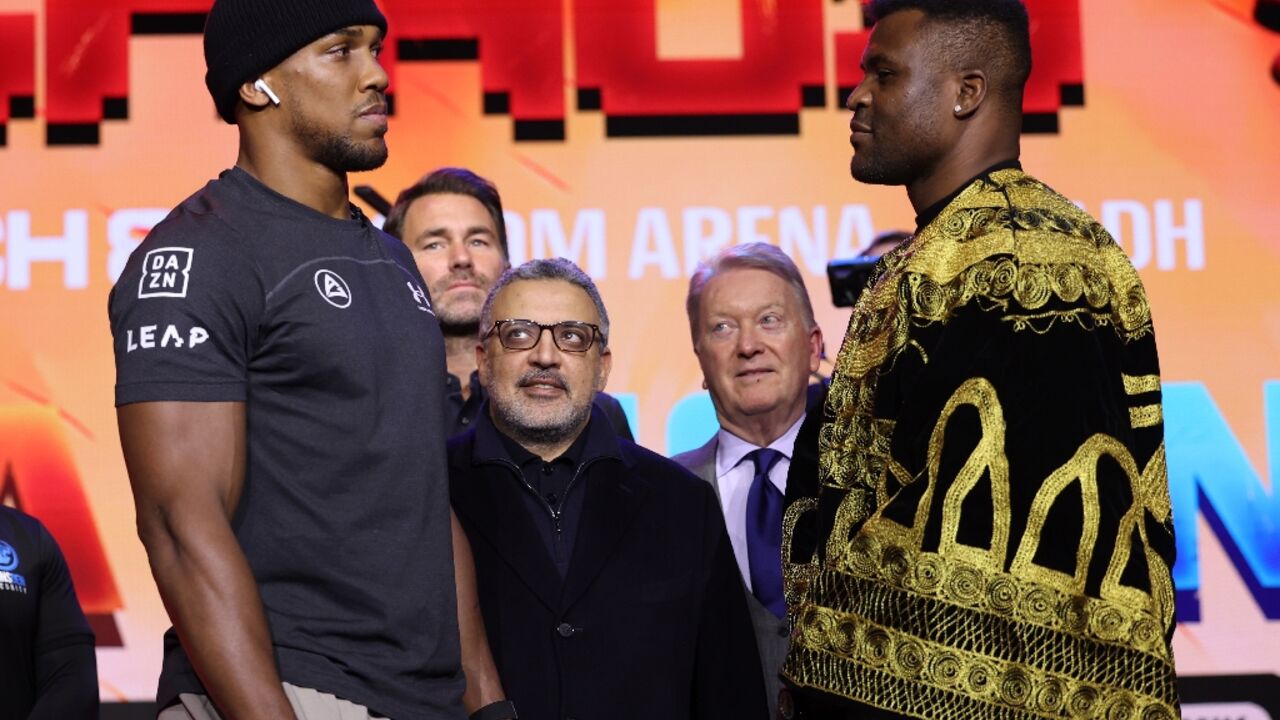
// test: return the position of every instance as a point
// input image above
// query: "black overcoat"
(649, 623)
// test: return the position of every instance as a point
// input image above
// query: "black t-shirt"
(322, 327)
(46, 646)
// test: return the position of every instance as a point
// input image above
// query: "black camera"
(848, 278)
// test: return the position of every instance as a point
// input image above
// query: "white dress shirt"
(734, 473)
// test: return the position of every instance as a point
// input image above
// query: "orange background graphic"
(1174, 147)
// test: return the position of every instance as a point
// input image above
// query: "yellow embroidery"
(1140, 384)
(914, 610)
(1044, 250)
(946, 681)
(927, 620)
(1155, 488)
(987, 460)
(1146, 416)
(994, 282)
(796, 574)
(1042, 323)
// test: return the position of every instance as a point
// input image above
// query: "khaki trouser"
(307, 704)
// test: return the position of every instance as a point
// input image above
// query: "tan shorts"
(307, 704)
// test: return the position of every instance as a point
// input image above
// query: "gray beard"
(515, 425)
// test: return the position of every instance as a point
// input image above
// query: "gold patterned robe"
(992, 536)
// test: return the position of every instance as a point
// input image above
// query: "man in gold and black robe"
(992, 535)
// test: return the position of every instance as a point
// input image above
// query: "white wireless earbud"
(264, 87)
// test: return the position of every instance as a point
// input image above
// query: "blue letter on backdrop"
(1209, 473)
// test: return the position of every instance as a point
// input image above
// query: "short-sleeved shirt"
(323, 328)
(39, 612)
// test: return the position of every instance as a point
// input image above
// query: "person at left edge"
(47, 666)
(605, 575)
(278, 376)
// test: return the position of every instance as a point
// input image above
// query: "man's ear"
(972, 92)
(606, 364)
(254, 96)
(815, 349)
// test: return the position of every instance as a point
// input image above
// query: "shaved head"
(988, 35)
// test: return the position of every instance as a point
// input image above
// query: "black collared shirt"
(550, 480)
(553, 491)
(460, 412)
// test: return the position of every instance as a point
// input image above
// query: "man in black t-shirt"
(279, 383)
(47, 666)
(452, 222)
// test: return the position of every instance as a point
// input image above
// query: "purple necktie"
(764, 533)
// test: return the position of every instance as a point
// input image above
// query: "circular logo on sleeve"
(8, 557)
(333, 288)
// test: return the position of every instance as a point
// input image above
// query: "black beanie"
(245, 38)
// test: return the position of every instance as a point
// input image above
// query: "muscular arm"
(483, 683)
(186, 466)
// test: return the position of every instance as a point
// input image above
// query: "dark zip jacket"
(650, 620)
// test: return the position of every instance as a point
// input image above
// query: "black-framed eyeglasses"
(568, 335)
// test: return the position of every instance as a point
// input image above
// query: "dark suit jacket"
(772, 633)
(650, 621)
